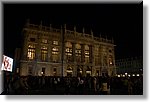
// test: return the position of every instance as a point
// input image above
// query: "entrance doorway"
(88, 71)
(79, 71)
(97, 73)
(69, 71)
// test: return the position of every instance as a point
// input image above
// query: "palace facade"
(60, 52)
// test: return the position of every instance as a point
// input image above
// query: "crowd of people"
(101, 85)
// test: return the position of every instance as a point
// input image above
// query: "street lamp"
(118, 75)
(41, 73)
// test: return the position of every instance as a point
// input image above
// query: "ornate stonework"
(49, 51)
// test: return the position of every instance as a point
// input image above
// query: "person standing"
(24, 85)
(104, 86)
(95, 81)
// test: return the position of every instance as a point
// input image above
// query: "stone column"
(74, 70)
(82, 53)
(38, 48)
(49, 53)
(73, 52)
(84, 68)
(62, 48)
(64, 70)
(90, 56)
(101, 59)
(108, 66)
(93, 70)
(63, 43)
(93, 60)
(64, 53)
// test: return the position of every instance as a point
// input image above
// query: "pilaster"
(82, 53)
(73, 52)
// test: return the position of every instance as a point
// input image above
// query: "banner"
(7, 63)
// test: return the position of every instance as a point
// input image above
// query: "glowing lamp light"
(123, 75)
(137, 75)
(126, 74)
(133, 75)
(88, 71)
(129, 75)
(110, 62)
(69, 71)
(118, 75)
(29, 54)
(42, 73)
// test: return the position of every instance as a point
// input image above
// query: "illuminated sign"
(7, 63)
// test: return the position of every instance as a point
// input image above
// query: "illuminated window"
(97, 56)
(55, 53)
(31, 52)
(69, 51)
(69, 54)
(44, 41)
(110, 60)
(78, 52)
(87, 54)
(44, 53)
(55, 42)
(54, 49)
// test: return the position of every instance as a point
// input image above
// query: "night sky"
(123, 22)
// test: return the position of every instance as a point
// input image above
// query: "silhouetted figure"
(68, 85)
(80, 86)
(24, 85)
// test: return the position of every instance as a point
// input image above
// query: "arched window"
(69, 71)
(69, 51)
(88, 71)
(43, 53)
(97, 55)
(110, 60)
(87, 54)
(78, 52)
(55, 56)
(31, 51)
